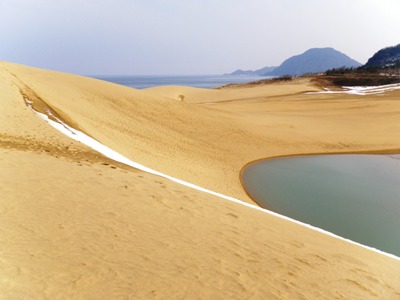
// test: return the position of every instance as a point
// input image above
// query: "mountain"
(385, 57)
(264, 70)
(314, 60)
(242, 73)
(260, 72)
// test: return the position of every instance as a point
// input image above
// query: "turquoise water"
(354, 196)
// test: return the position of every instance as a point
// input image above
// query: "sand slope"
(73, 224)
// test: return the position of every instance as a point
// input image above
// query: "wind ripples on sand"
(106, 151)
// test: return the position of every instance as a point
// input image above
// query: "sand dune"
(75, 225)
(230, 94)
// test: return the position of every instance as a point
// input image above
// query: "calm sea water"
(203, 81)
(354, 196)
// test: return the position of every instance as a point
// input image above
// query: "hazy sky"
(188, 36)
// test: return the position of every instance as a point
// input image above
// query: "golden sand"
(76, 225)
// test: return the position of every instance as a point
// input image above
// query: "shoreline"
(373, 152)
(376, 152)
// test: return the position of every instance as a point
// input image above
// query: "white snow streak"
(361, 90)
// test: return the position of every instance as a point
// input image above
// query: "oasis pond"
(356, 196)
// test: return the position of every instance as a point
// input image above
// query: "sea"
(198, 81)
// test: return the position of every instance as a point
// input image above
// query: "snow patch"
(361, 90)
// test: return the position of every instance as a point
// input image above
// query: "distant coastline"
(198, 81)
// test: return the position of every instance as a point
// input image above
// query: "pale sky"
(149, 37)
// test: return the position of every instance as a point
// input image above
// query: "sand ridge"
(109, 232)
(231, 94)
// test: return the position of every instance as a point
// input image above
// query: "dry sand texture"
(75, 225)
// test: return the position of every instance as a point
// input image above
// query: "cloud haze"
(188, 37)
